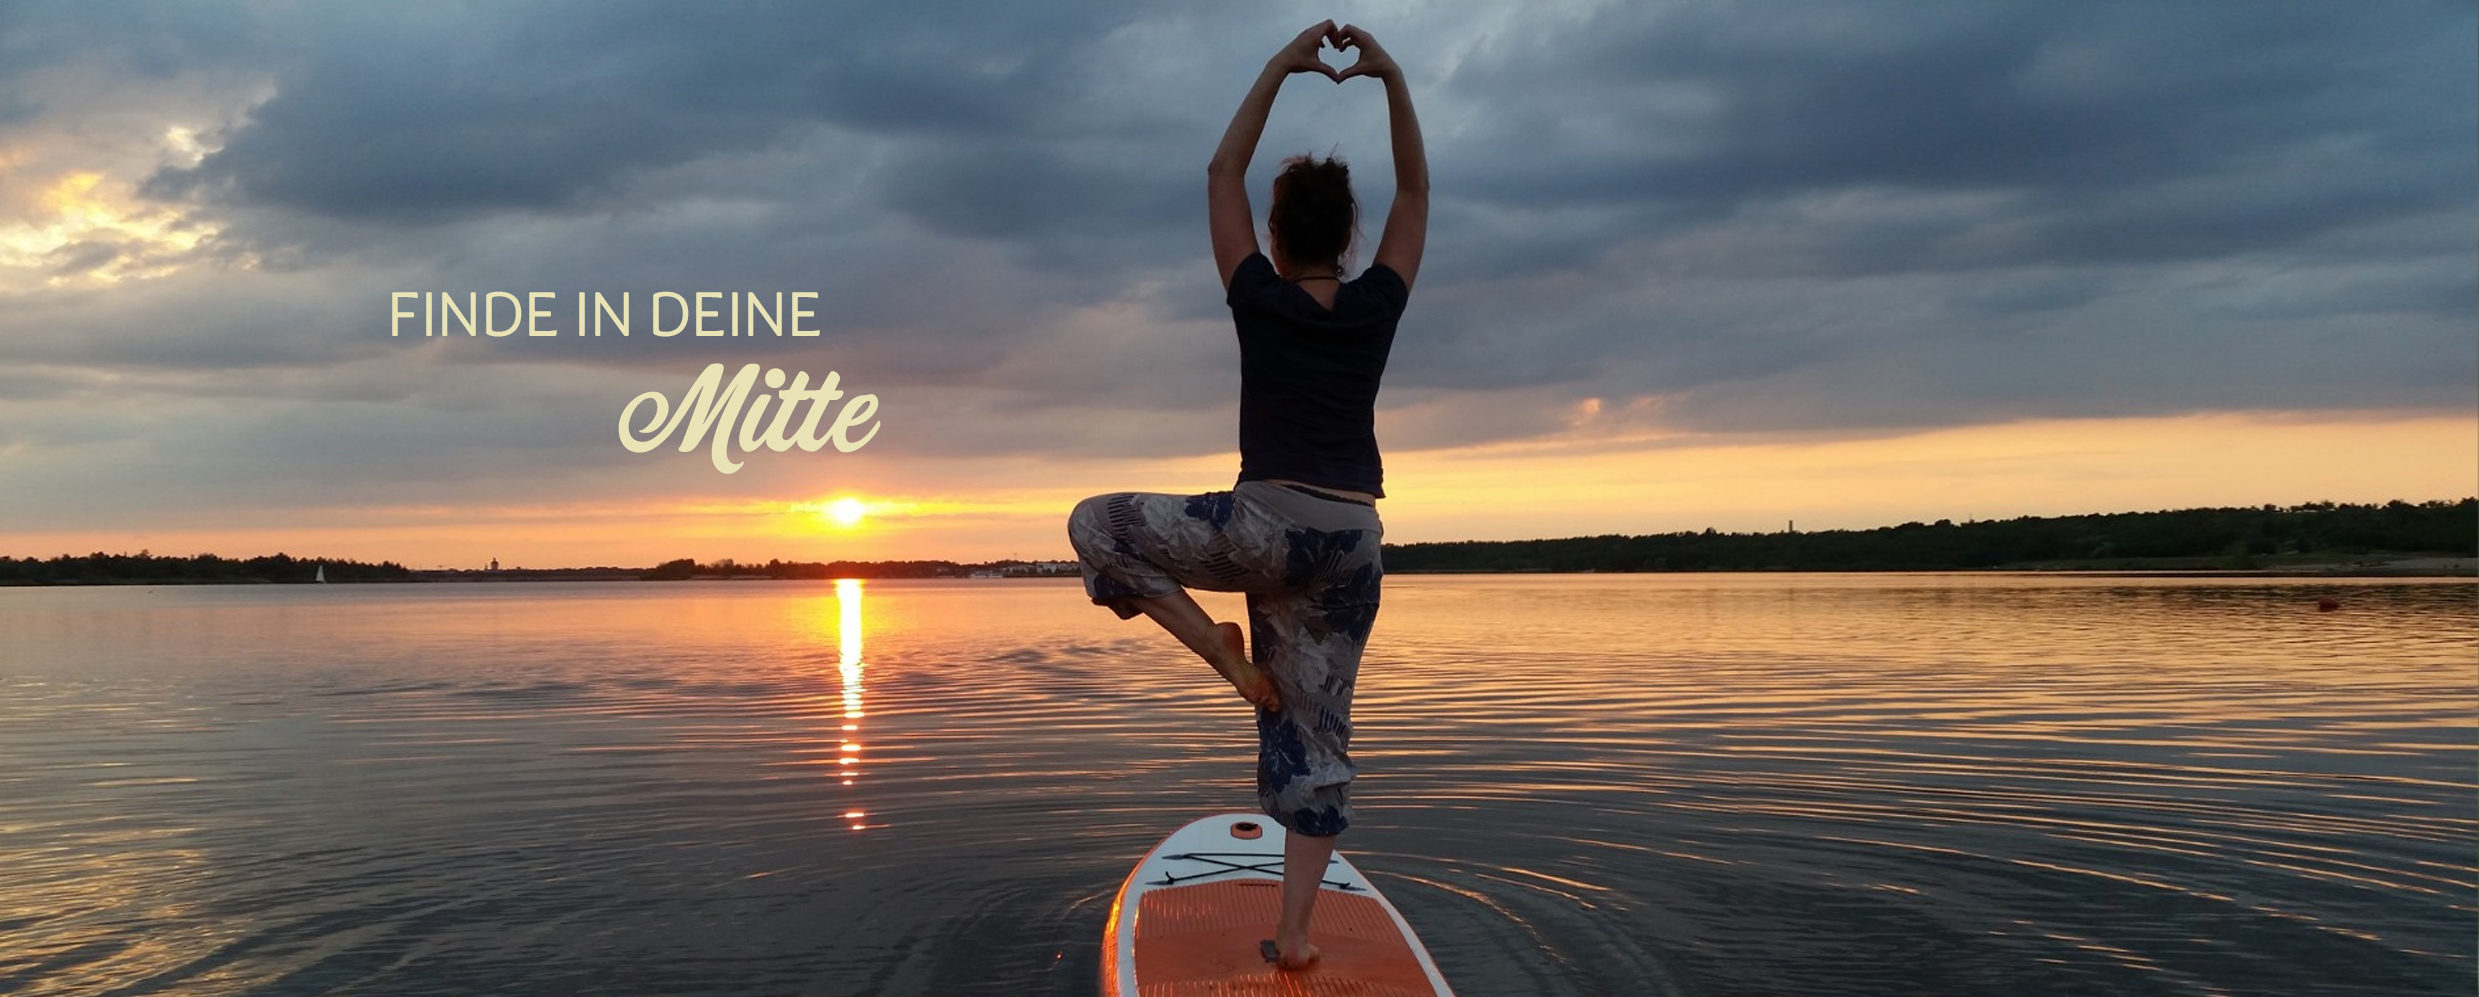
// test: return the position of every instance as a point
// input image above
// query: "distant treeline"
(2242, 538)
(127, 569)
(685, 568)
(144, 567)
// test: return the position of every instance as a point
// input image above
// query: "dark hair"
(1314, 214)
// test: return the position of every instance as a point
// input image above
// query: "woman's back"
(1309, 375)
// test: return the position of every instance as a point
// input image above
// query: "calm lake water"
(1624, 785)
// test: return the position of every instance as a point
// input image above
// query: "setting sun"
(845, 511)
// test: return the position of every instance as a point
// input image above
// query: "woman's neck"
(1296, 270)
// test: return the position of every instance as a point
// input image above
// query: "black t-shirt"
(1308, 375)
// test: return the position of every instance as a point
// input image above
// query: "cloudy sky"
(1692, 264)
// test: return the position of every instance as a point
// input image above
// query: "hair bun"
(1314, 215)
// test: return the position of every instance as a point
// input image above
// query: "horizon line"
(1790, 528)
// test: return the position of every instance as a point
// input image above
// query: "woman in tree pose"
(1299, 531)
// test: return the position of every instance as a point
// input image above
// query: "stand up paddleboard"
(1190, 918)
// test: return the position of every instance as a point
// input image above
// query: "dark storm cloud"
(1787, 216)
(2125, 131)
(2119, 131)
(1018, 191)
(416, 113)
(1800, 216)
(149, 39)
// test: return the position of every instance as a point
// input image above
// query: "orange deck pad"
(1202, 940)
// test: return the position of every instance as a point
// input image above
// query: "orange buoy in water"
(2327, 604)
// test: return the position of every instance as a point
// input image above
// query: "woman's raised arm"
(1226, 178)
(1407, 220)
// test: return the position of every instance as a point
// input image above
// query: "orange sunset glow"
(1576, 486)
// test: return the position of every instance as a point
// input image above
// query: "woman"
(1299, 532)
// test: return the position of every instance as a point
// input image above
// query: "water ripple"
(1722, 785)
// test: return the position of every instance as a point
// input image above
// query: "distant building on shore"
(1026, 569)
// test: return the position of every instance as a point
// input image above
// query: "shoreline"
(2438, 568)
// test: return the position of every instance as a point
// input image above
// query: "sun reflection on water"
(848, 638)
(2114, 782)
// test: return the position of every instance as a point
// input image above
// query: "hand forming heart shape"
(1304, 53)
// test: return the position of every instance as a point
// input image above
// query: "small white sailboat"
(322, 575)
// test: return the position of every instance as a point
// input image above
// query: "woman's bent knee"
(1088, 529)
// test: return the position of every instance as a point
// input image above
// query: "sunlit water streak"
(1572, 785)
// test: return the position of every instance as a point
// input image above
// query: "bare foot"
(1293, 957)
(1254, 684)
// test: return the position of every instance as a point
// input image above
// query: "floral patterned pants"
(1309, 565)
